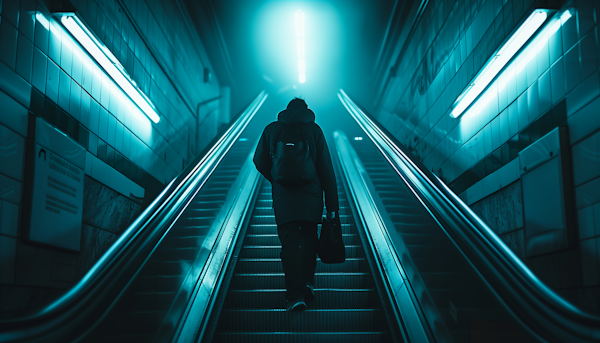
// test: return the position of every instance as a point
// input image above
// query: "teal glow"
(110, 64)
(40, 18)
(499, 61)
(301, 46)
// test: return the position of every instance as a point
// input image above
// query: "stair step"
(278, 320)
(273, 265)
(272, 251)
(256, 229)
(325, 298)
(273, 239)
(304, 337)
(322, 280)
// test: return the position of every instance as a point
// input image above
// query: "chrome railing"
(90, 299)
(541, 310)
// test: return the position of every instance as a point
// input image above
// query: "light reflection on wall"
(489, 105)
(141, 125)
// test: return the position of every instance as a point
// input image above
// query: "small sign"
(57, 204)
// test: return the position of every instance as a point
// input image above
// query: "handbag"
(331, 245)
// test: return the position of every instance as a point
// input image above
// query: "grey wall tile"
(12, 148)
(10, 189)
(586, 159)
(27, 18)
(557, 72)
(42, 30)
(8, 41)
(583, 94)
(24, 58)
(75, 102)
(597, 221)
(40, 63)
(52, 81)
(589, 58)
(7, 259)
(588, 193)
(585, 219)
(64, 90)
(572, 68)
(13, 114)
(589, 262)
(103, 123)
(584, 122)
(10, 219)
(14, 85)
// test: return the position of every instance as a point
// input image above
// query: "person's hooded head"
(297, 111)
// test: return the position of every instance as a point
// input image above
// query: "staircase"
(346, 308)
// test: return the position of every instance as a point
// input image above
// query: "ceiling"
(252, 46)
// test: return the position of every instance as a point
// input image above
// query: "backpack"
(292, 164)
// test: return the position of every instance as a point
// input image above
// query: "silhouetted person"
(296, 144)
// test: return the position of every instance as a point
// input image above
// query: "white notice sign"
(57, 200)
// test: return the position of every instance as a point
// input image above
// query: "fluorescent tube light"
(300, 46)
(498, 61)
(109, 63)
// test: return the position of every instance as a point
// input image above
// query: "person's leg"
(308, 242)
(289, 235)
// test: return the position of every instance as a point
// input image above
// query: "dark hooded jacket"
(302, 203)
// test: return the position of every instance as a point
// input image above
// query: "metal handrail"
(376, 224)
(85, 303)
(541, 310)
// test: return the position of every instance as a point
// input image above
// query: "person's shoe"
(296, 305)
(309, 294)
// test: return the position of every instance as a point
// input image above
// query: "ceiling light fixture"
(498, 61)
(300, 46)
(109, 63)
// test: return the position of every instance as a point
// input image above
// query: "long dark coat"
(303, 203)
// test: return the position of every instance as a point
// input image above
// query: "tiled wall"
(553, 81)
(45, 73)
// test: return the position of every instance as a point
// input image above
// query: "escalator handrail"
(543, 312)
(407, 310)
(62, 317)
